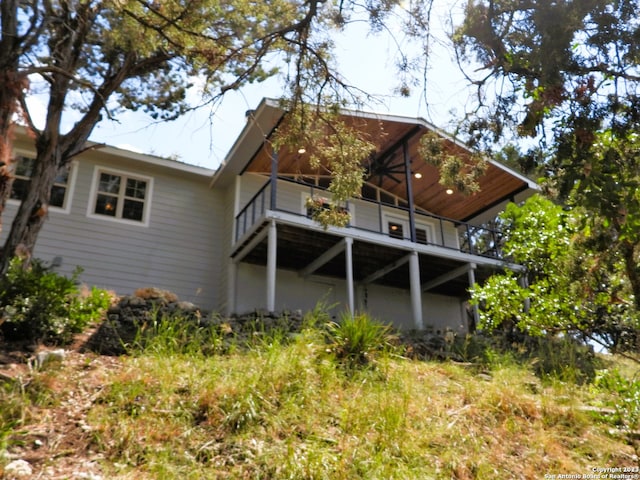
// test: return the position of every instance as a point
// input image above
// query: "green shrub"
(550, 358)
(39, 305)
(357, 339)
(625, 399)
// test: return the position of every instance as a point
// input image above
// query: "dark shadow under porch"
(298, 248)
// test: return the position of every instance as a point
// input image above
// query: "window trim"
(71, 183)
(428, 228)
(93, 196)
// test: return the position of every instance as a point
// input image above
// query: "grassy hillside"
(319, 405)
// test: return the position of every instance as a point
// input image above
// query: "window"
(421, 236)
(121, 196)
(23, 168)
(396, 230)
(399, 228)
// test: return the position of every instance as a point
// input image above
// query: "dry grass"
(287, 409)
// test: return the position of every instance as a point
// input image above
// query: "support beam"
(324, 258)
(383, 271)
(416, 294)
(274, 180)
(349, 274)
(253, 243)
(446, 277)
(409, 182)
(272, 249)
(472, 284)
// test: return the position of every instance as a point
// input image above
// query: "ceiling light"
(302, 150)
(418, 175)
(449, 191)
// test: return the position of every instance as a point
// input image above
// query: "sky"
(363, 60)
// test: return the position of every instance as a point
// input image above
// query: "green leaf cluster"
(570, 287)
(39, 305)
(336, 149)
(461, 172)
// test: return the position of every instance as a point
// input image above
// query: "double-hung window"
(121, 196)
(23, 169)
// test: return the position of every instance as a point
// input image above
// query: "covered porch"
(282, 241)
(407, 232)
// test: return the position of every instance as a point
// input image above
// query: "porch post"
(272, 248)
(472, 283)
(232, 287)
(416, 295)
(273, 180)
(407, 172)
(348, 255)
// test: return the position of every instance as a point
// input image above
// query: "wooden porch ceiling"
(386, 168)
(299, 247)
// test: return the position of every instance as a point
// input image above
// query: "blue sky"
(364, 61)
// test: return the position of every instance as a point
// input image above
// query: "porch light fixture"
(417, 175)
(449, 191)
(302, 150)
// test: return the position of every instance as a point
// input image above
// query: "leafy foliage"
(625, 399)
(551, 359)
(566, 75)
(572, 286)
(459, 172)
(335, 148)
(40, 305)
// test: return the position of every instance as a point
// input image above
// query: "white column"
(472, 283)
(416, 295)
(232, 287)
(272, 248)
(348, 255)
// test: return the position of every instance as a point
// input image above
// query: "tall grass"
(285, 407)
(356, 340)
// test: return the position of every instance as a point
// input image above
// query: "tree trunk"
(633, 272)
(10, 89)
(31, 213)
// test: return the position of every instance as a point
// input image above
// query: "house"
(241, 238)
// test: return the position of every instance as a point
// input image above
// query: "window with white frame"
(120, 195)
(23, 169)
(397, 227)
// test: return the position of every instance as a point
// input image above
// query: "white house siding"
(227, 225)
(292, 291)
(386, 304)
(176, 251)
(440, 312)
(250, 183)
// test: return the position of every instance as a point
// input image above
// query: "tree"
(572, 286)
(99, 57)
(565, 75)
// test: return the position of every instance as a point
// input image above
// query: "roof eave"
(260, 124)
